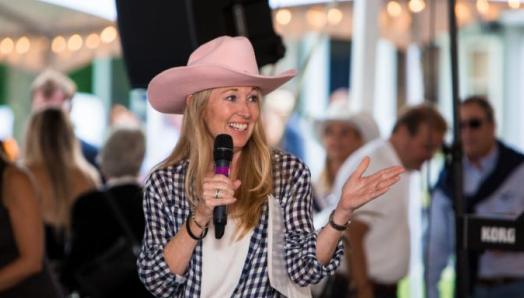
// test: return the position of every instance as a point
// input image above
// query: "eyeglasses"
(473, 123)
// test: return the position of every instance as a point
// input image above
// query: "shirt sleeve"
(160, 228)
(300, 237)
(441, 240)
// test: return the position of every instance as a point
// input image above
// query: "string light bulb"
(284, 16)
(462, 11)
(394, 8)
(22, 45)
(334, 16)
(6, 46)
(93, 41)
(58, 44)
(75, 42)
(316, 17)
(482, 6)
(417, 6)
(108, 35)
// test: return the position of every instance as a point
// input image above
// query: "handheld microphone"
(223, 154)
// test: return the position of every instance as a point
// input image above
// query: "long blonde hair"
(196, 145)
(51, 144)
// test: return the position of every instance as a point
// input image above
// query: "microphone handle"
(219, 220)
(220, 212)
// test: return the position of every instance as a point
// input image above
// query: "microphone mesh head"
(223, 149)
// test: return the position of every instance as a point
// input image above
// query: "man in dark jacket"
(493, 179)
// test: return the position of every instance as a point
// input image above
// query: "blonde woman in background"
(52, 154)
(341, 133)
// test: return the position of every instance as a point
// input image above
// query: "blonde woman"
(268, 192)
(341, 133)
(52, 155)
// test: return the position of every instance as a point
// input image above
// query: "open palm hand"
(358, 190)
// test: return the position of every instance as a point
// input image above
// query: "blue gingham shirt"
(166, 209)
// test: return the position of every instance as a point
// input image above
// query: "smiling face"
(233, 111)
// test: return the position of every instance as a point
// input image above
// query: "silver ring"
(217, 193)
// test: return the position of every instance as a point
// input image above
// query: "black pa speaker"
(157, 35)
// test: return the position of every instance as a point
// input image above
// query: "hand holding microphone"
(223, 154)
(219, 190)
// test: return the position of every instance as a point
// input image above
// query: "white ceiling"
(32, 17)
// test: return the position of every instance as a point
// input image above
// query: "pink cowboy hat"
(222, 62)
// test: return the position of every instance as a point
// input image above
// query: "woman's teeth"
(238, 126)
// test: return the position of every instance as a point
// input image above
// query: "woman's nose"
(243, 108)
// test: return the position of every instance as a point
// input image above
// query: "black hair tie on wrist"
(204, 233)
(336, 226)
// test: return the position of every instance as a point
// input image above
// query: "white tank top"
(223, 260)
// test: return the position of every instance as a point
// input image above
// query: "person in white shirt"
(379, 233)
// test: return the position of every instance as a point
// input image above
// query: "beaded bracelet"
(204, 233)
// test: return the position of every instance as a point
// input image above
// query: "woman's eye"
(253, 98)
(231, 98)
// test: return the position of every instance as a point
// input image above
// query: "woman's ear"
(189, 98)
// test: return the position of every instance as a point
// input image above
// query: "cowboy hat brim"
(167, 92)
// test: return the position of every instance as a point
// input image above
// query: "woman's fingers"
(385, 177)
(364, 189)
(362, 167)
(386, 183)
(217, 177)
(386, 173)
(219, 190)
(221, 183)
(218, 193)
(377, 193)
(214, 202)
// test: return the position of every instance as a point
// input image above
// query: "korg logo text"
(498, 235)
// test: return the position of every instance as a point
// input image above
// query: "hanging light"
(416, 6)
(6, 46)
(316, 17)
(58, 44)
(22, 45)
(75, 42)
(462, 11)
(108, 35)
(394, 8)
(92, 41)
(482, 6)
(283, 16)
(334, 16)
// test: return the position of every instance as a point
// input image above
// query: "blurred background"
(386, 53)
